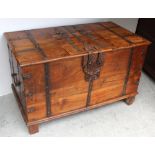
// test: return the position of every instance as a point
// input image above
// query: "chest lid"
(53, 43)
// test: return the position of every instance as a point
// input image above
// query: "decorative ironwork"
(92, 64)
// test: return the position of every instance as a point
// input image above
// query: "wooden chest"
(64, 70)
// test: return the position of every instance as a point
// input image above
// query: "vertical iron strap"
(128, 72)
(90, 87)
(47, 90)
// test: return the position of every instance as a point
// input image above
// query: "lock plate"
(91, 65)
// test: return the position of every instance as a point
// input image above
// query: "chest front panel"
(68, 87)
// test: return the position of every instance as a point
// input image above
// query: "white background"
(72, 8)
(7, 25)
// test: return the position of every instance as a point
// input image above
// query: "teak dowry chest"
(59, 71)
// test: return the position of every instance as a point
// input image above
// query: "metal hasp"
(91, 65)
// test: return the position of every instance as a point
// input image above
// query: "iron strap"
(109, 29)
(47, 90)
(128, 72)
(74, 34)
(88, 35)
(36, 45)
(62, 34)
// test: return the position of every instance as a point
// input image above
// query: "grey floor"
(112, 120)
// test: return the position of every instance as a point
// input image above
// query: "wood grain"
(64, 70)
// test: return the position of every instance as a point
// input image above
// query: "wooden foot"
(130, 100)
(33, 128)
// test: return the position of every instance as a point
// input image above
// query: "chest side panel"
(16, 78)
(34, 90)
(110, 84)
(69, 89)
(138, 57)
